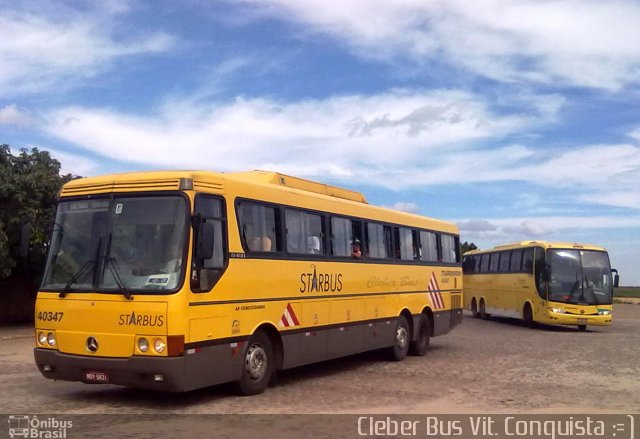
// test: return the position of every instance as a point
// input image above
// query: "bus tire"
(483, 311)
(527, 316)
(421, 344)
(582, 328)
(402, 337)
(258, 365)
(474, 309)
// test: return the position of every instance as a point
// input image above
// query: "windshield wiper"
(112, 264)
(80, 272)
(76, 276)
(115, 270)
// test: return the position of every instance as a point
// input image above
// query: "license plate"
(95, 376)
(582, 320)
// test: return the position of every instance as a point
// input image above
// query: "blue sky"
(517, 120)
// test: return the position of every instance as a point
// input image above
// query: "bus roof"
(352, 202)
(543, 244)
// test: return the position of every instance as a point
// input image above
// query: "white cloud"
(41, 50)
(74, 164)
(399, 139)
(580, 42)
(378, 136)
(628, 199)
(12, 115)
(405, 206)
(476, 225)
(540, 227)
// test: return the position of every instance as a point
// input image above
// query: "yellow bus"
(184, 279)
(536, 281)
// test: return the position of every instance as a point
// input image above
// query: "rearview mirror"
(616, 278)
(205, 236)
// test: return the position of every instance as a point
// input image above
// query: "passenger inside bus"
(356, 251)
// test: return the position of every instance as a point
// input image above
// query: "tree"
(467, 246)
(29, 185)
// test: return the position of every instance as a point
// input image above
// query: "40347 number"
(49, 316)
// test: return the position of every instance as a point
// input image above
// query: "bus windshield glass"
(580, 277)
(128, 244)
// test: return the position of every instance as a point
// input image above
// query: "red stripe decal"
(293, 315)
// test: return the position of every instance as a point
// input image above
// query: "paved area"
(496, 366)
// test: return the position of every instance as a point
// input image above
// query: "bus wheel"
(582, 328)
(527, 316)
(400, 347)
(258, 365)
(420, 346)
(474, 309)
(483, 311)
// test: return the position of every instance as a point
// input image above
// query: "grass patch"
(626, 292)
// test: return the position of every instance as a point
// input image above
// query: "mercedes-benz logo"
(92, 344)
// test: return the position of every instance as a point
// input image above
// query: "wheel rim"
(401, 337)
(255, 362)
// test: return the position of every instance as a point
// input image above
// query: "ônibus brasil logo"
(33, 427)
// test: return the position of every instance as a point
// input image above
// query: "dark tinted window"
(449, 248)
(378, 240)
(428, 246)
(259, 227)
(516, 261)
(207, 272)
(341, 237)
(504, 261)
(304, 232)
(527, 260)
(484, 263)
(494, 262)
(405, 243)
(469, 264)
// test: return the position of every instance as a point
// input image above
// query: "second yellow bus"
(545, 282)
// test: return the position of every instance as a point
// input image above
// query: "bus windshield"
(127, 244)
(579, 276)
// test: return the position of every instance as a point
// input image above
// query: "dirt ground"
(497, 366)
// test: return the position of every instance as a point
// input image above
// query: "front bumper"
(139, 372)
(578, 319)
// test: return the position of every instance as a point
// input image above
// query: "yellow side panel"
(315, 313)
(347, 310)
(208, 328)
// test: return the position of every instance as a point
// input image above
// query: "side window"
(539, 272)
(428, 247)
(341, 237)
(516, 261)
(504, 261)
(449, 252)
(378, 240)
(527, 260)
(259, 227)
(304, 232)
(494, 262)
(406, 244)
(205, 273)
(484, 264)
(469, 264)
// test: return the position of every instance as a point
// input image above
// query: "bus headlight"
(557, 310)
(42, 338)
(604, 312)
(143, 344)
(51, 339)
(159, 345)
